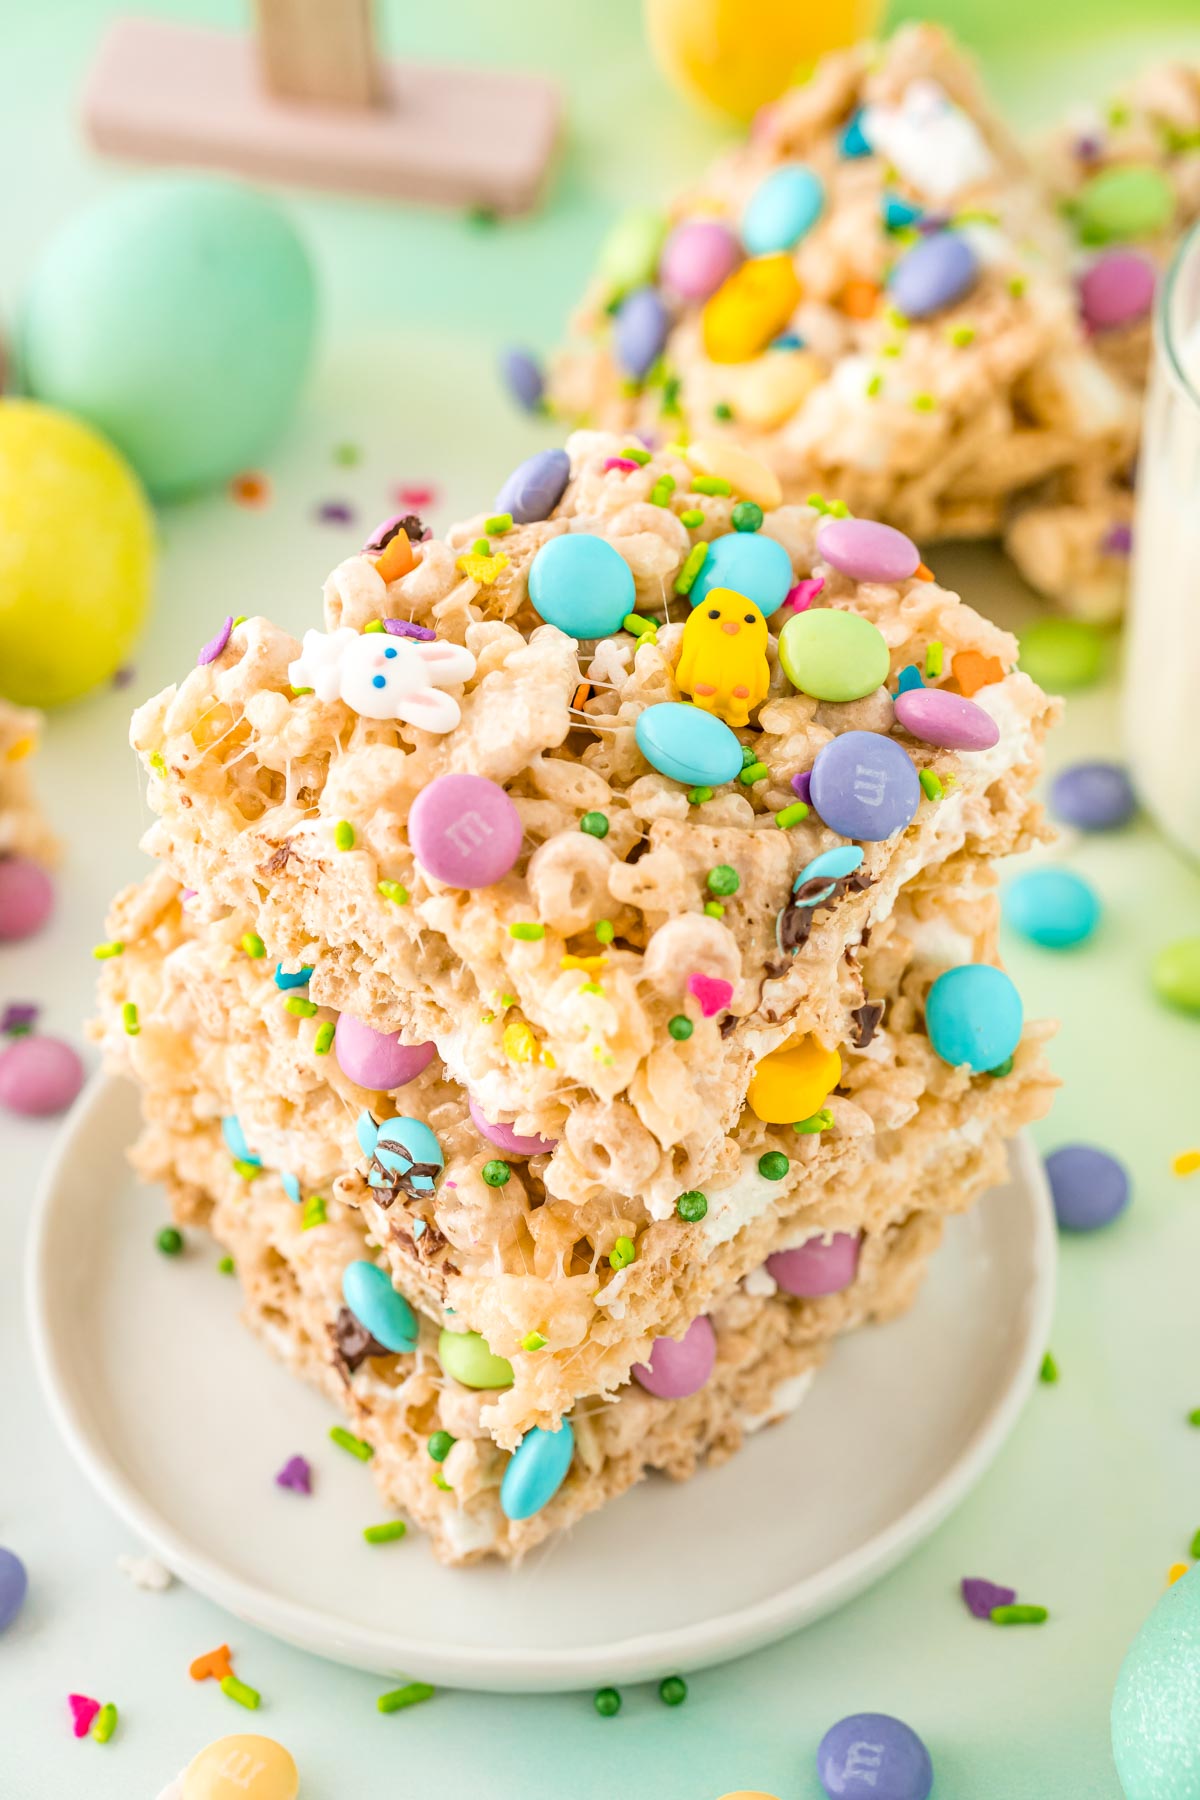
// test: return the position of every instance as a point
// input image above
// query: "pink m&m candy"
(697, 257)
(39, 1075)
(679, 1366)
(465, 830)
(866, 550)
(817, 1267)
(377, 1059)
(949, 720)
(26, 898)
(505, 1138)
(1117, 290)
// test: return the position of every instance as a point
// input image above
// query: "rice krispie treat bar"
(23, 830)
(873, 296)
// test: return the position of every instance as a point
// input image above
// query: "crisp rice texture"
(23, 830)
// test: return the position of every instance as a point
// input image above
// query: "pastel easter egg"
(1118, 289)
(750, 308)
(690, 746)
(536, 1470)
(14, 1585)
(865, 550)
(748, 477)
(522, 375)
(177, 315)
(401, 1144)
(1176, 974)
(793, 1082)
(697, 257)
(1155, 1722)
(580, 583)
(640, 331)
(1053, 907)
(377, 1059)
(1122, 202)
(874, 1754)
(751, 564)
(973, 1016)
(39, 1076)
(934, 275)
(936, 716)
(379, 1309)
(1089, 1187)
(26, 898)
(535, 487)
(244, 1767)
(504, 1137)
(465, 831)
(679, 1366)
(833, 655)
(865, 786)
(1093, 796)
(782, 209)
(465, 1356)
(630, 252)
(821, 1266)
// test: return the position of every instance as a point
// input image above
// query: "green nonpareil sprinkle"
(106, 1723)
(961, 335)
(595, 824)
(931, 785)
(1019, 1615)
(623, 1252)
(346, 1440)
(692, 1206)
(874, 386)
(299, 1007)
(323, 1038)
(638, 624)
(253, 945)
(691, 518)
(1048, 1373)
(714, 909)
(527, 931)
(696, 558)
(496, 1173)
(156, 761)
(755, 771)
(818, 1121)
(343, 835)
(923, 402)
(534, 1341)
(496, 524)
(412, 1695)
(1001, 1069)
(440, 1445)
(715, 486)
(890, 350)
(680, 1028)
(314, 1212)
(169, 1240)
(773, 1166)
(635, 454)
(605, 931)
(723, 879)
(672, 1690)
(698, 795)
(837, 509)
(249, 1171)
(238, 1690)
(392, 890)
(129, 1018)
(933, 660)
(607, 1702)
(385, 1534)
(746, 516)
(225, 1266)
(896, 319)
(102, 952)
(1017, 285)
(791, 815)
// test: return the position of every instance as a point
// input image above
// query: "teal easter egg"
(177, 316)
(1156, 1704)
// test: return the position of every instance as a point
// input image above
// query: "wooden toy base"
(452, 136)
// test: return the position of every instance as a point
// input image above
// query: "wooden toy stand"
(309, 101)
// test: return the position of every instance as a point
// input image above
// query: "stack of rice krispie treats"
(568, 987)
(878, 295)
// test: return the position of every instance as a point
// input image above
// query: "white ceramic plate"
(180, 1420)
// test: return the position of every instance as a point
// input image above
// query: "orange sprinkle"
(1186, 1163)
(1174, 1572)
(397, 558)
(972, 671)
(250, 489)
(20, 749)
(859, 299)
(216, 1665)
(923, 572)
(581, 696)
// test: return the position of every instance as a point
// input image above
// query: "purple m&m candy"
(1093, 796)
(679, 1366)
(26, 898)
(523, 378)
(14, 1584)
(866, 550)
(377, 1059)
(465, 830)
(504, 1137)
(818, 1267)
(933, 275)
(948, 720)
(640, 331)
(697, 257)
(871, 1756)
(864, 785)
(1118, 289)
(535, 487)
(1090, 1188)
(38, 1076)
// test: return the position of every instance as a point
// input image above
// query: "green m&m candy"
(1129, 200)
(1176, 974)
(465, 1356)
(833, 655)
(1061, 654)
(629, 254)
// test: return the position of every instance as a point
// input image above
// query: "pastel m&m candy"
(1061, 654)
(1093, 796)
(1176, 974)
(402, 1146)
(679, 1366)
(14, 1584)
(782, 209)
(39, 1076)
(687, 744)
(523, 377)
(748, 478)
(466, 1357)
(537, 1469)
(865, 785)
(504, 1137)
(629, 254)
(873, 1754)
(244, 1767)
(750, 564)
(866, 550)
(377, 1059)
(936, 716)
(1089, 1187)
(26, 898)
(535, 487)
(750, 308)
(1053, 907)
(465, 831)
(833, 655)
(934, 275)
(697, 257)
(793, 1082)
(379, 1309)
(827, 868)
(1128, 200)
(973, 1016)
(1117, 290)
(821, 1266)
(640, 331)
(580, 583)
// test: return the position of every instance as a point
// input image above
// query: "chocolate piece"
(352, 1342)
(866, 1018)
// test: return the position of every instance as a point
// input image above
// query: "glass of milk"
(1162, 676)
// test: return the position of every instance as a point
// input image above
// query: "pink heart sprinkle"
(713, 994)
(801, 597)
(83, 1712)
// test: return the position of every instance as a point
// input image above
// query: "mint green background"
(1099, 1489)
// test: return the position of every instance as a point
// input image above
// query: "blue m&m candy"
(750, 564)
(974, 1016)
(875, 1755)
(782, 209)
(379, 1309)
(688, 745)
(1052, 907)
(581, 584)
(865, 786)
(536, 1471)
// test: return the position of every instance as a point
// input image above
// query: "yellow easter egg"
(242, 1768)
(735, 58)
(750, 308)
(749, 478)
(793, 1083)
(765, 392)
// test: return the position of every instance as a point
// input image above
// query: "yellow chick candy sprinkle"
(723, 660)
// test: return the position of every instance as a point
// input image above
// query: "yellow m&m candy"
(793, 1083)
(750, 308)
(242, 1768)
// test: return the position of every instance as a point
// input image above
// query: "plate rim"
(642, 1656)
